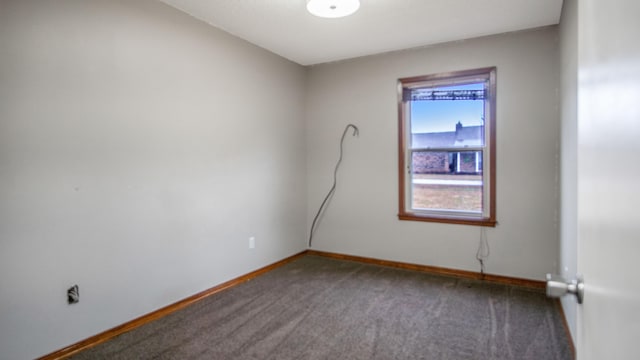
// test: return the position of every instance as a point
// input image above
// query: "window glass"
(446, 147)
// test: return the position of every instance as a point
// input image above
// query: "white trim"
(448, 182)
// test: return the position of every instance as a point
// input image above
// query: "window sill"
(449, 219)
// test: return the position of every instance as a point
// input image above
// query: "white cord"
(483, 249)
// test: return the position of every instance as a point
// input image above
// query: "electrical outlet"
(252, 242)
(73, 295)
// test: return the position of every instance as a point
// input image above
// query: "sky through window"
(443, 115)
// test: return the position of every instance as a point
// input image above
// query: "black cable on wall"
(333, 187)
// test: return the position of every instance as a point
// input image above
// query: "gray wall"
(139, 150)
(569, 153)
(361, 218)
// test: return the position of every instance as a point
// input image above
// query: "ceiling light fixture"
(332, 8)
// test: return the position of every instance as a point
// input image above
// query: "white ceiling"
(287, 29)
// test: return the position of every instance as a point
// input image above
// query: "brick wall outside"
(430, 162)
(438, 163)
(467, 162)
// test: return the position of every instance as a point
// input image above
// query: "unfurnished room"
(319, 179)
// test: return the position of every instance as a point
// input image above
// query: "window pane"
(447, 147)
(447, 181)
(448, 123)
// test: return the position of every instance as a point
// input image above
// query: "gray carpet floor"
(321, 308)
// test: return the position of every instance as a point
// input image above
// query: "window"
(447, 137)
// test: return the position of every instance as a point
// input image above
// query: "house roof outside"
(461, 137)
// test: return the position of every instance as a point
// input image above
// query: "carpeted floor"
(321, 308)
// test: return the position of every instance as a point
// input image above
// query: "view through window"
(446, 147)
